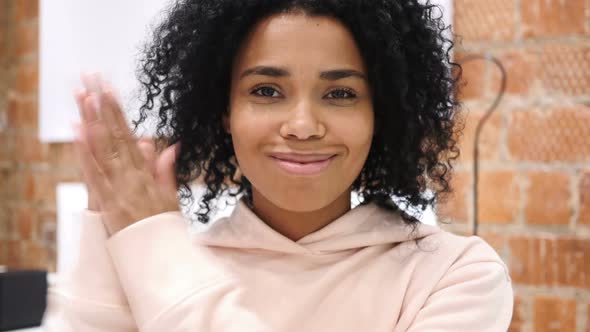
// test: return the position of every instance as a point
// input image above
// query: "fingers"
(92, 203)
(121, 138)
(80, 95)
(91, 83)
(109, 136)
(97, 137)
(129, 139)
(148, 150)
(90, 170)
(116, 121)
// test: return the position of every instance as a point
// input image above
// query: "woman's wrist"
(92, 205)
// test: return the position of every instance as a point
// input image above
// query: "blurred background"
(533, 202)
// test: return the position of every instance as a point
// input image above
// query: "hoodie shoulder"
(459, 283)
(454, 271)
(457, 251)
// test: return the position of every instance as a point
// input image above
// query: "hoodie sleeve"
(474, 295)
(88, 297)
(162, 273)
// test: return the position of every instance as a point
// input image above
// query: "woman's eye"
(265, 92)
(342, 94)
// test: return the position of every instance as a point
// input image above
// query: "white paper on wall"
(88, 36)
(71, 199)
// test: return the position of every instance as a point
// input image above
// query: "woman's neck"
(295, 225)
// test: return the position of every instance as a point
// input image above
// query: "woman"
(290, 105)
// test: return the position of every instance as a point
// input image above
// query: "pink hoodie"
(362, 272)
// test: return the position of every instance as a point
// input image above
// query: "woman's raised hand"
(127, 181)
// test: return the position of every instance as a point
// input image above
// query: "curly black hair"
(185, 75)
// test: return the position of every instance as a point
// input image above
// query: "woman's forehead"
(299, 41)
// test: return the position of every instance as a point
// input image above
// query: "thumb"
(165, 169)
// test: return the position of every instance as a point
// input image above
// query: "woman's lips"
(307, 168)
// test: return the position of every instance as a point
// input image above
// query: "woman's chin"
(297, 201)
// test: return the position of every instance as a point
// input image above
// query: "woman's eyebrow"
(329, 75)
(336, 74)
(265, 71)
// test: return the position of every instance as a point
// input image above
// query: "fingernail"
(91, 81)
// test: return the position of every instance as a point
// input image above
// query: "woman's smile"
(304, 168)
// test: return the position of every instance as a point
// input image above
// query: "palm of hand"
(127, 180)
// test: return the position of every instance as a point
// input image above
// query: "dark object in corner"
(23, 296)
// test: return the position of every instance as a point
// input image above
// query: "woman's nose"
(303, 123)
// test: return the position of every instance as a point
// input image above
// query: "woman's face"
(299, 86)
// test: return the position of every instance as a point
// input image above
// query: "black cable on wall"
(481, 124)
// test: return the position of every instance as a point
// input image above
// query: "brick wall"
(534, 197)
(29, 170)
(534, 205)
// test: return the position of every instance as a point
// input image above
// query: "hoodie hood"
(363, 226)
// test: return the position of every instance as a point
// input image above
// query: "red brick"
(13, 254)
(548, 199)
(26, 10)
(29, 186)
(489, 141)
(496, 240)
(34, 256)
(4, 174)
(573, 262)
(554, 314)
(564, 69)
(27, 79)
(473, 82)
(46, 189)
(5, 51)
(12, 227)
(498, 197)
(10, 179)
(454, 206)
(28, 148)
(5, 225)
(518, 316)
(22, 113)
(550, 261)
(63, 155)
(558, 135)
(26, 219)
(484, 20)
(584, 190)
(27, 41)
(7, 147)
(533, 260)
(2, 252)
(39, 188)
(47, 227)
(521, 72)
(51, 259)
(544, 18)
